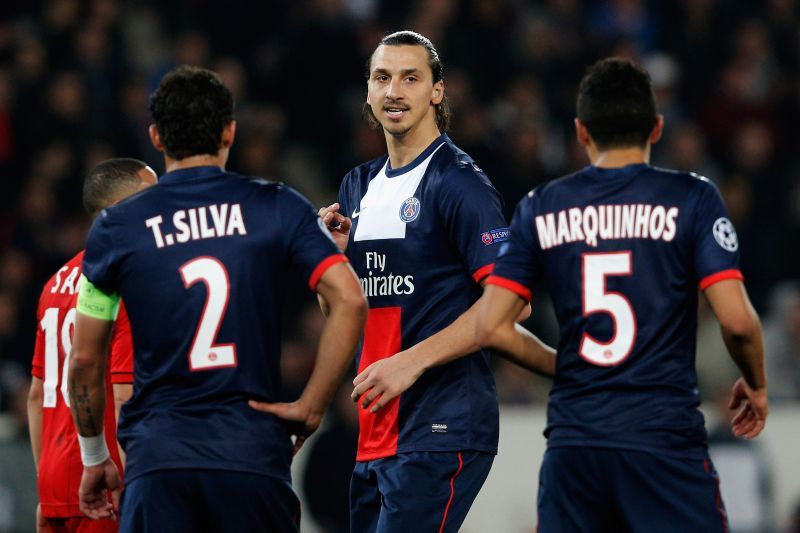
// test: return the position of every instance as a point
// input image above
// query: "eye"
(381, 78)
(411, 79)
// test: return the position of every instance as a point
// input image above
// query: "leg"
(429, 491)
(573, 492)
(161, 501)
(658, 493)
(365, 500)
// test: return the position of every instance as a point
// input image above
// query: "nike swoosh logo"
(357, 212)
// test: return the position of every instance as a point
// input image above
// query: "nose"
(394, 91)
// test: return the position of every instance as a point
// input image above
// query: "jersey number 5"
(597, 300)
(204, 354)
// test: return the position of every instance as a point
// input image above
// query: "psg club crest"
(409, 210)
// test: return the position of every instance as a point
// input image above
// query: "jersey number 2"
(49, 326)
(597, 300)
(204, 354)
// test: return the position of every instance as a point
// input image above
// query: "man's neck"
(403, 150)
(619, 157)
(204, 160)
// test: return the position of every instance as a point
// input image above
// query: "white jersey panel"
(379, 211)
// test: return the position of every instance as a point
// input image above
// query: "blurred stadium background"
(75, 76)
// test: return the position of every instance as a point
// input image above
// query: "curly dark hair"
(190, 109)
(110, 180)
(407, 37)
(616, 103)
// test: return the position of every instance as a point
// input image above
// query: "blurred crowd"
(75, 76)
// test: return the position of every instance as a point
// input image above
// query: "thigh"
(429, 491)
(656, 493)
(240, 501)
(573, 492)
(365, 499)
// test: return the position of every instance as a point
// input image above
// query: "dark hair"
(110, 180)
(616, 103)
(411, 38)
(190, 109)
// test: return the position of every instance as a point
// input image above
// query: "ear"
(155, 138)
(582, 133)
(437, 95)
(228, 134)
(655, 135)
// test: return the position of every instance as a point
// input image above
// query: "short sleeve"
(715, 244)
(518, 264)
(121, 349)
(100, 259)
(309, 244)
(472, 211)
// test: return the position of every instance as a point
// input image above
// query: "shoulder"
(364, 171)
(455, 168)
(555, 186)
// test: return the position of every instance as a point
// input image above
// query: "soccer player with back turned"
(421, 226)
(622, 248)
(52, 431)
(201, 260)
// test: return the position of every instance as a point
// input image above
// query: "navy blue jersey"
(201, 261)
(622, 253)
(423, 237)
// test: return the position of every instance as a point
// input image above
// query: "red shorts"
(82, 524)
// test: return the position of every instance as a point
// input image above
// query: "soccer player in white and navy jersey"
(201, 261)
(623, 248)
(421, 226)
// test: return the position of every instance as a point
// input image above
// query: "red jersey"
(60, 466)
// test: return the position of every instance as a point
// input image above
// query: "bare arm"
(741, 331)
(388, 378)
(343, 329)
(339, 227)
(122, 393)
(497, 327)
(88, 398)
(35, 397)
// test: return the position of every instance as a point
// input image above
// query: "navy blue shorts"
(416, 491)
(610, 490)
(194, 501)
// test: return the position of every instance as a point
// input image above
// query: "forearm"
(446, 345)
(35, 420)
(122, 393)
(343, 330)
(746, 348)
(87, 393)
(520, 346)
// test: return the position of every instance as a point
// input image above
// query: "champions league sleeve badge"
(725, 235)
(409, 210)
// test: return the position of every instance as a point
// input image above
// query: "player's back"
(60, 464)
(201, 261)
(622, 253)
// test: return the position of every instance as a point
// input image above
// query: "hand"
(385, 380)
(338, 224)
(752, 416)
(302, 422)
(42, 525)
(93, 493)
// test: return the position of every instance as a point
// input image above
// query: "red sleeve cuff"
(122, 378)
(482, 272)
(732, 273)
(518, 288)
(37, 372)
(324, 265)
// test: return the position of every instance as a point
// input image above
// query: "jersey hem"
(209, 466)
(122, 378)
(322, 267)
(61, 510)
(363, 458)
(696, 452)
(519, 289)
(722, 275)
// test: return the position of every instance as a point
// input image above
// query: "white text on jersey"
(72, 283)
(633, 221)
(384, 285)
(197, 223)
